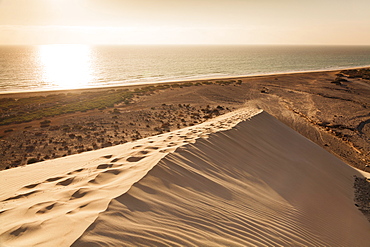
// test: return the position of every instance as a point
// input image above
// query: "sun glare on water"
(66, 66)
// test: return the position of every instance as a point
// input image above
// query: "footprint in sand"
(105, 176)
(76, 171)
(31, 186)
(19, 231)
(115, 160)
(104, 166)
(171, 144)
(66, 182)
(21, 195)
(41, 205)
(53, 179)
(135, 158)
(80, 193)
(77, 209)
(153, 148)
(107, 156)
(46, 209)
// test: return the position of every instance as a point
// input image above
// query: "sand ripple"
(258, 184)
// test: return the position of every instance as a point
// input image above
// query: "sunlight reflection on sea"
(66, 66)
(49, 67)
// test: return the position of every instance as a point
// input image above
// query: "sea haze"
(48, 67)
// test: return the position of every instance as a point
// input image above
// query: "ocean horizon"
(58, 67)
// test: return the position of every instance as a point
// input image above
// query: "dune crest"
(258, 184)
(51, 203)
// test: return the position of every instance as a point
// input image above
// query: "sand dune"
(51, 203)
(232, 181)
(258, 184)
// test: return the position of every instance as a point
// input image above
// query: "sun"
(66, 66)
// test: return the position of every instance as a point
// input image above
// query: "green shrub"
(53, 105)
(187, 84)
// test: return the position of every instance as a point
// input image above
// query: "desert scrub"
(187, 84)
(226, 82)
(362, 195)
(32, 160)
(32, 108)
(357, 73)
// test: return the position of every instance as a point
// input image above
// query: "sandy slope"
(258, 184)
(53, 202)
(226, 182)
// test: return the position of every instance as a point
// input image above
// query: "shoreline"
(3, 94)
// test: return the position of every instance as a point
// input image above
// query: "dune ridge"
(257, 184)
(53, 202)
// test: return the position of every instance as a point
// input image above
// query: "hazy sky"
(334, 22)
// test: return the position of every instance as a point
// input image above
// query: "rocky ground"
(362, 195)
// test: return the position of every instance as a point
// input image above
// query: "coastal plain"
(329, 108)
(275, 160)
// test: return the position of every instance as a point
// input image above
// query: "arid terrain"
(330, 108)
(205, 163)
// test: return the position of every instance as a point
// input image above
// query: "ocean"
(53, 67)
